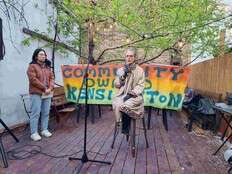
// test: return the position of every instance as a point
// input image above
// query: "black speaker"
(2, 47)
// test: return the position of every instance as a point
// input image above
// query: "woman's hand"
(48, 91)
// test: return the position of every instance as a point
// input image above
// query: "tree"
(155, 26)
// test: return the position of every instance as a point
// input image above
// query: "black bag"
(229, 99)
(193, 105)
(205, 106)
(200, 104)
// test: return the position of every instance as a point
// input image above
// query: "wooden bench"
(60, 106)
(129, 123)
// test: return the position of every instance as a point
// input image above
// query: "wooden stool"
(131, 134)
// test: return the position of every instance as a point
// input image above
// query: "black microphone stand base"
(85, 159)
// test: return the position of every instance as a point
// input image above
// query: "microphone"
(126, 70)
(122, 73)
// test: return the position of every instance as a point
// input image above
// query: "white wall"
(13, 78)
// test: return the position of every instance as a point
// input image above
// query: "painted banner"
(164, 85)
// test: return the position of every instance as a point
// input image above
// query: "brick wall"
(109, 38)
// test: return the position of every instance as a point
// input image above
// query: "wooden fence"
(213, 75)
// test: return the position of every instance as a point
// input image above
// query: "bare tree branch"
(113, 60)
(117, 47)
(201, 26)
(145, 54)
(156, 57)
(47, 39)
(128, 28)
(7, 11)
(11, 37)
(20, 13)
(197, 57)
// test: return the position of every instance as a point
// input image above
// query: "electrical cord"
(20, 153)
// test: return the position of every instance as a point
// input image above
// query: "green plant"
(151, 25)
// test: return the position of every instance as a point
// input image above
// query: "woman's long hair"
(35, 54)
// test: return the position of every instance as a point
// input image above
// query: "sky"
(228, 38)
(227, 1)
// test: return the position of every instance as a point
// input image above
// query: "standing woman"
(41, 84)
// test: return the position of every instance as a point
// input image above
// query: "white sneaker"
(46, 133)
(35, 137)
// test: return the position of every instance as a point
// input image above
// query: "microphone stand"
(2, 150)
(84, 159)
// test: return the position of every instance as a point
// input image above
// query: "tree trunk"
(91, 43)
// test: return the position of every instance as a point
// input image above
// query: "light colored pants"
(117, 103)
(135, 104)
(39, 107)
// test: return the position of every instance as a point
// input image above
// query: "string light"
(231, 31)
(180, 43)
(127, 40)
(111, 26)
(115, 24)
(146, 35)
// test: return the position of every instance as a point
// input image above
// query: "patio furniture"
(206, 119)
(201, 110)
(61, 106)
(131, 128)
(223, 109)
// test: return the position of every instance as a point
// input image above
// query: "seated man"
(128, 101)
